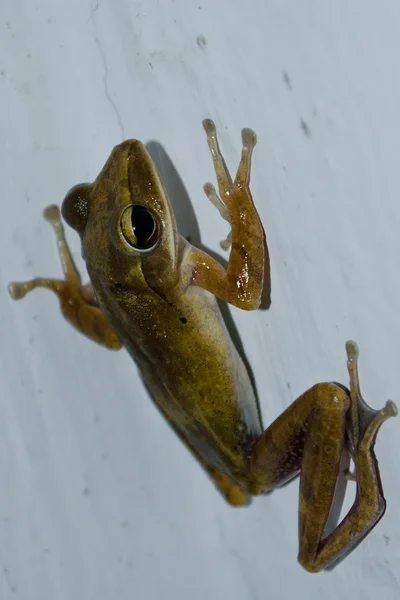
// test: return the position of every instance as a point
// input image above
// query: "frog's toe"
(52, 214)
(17, 289)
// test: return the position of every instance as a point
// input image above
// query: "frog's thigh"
(78, 303)
(279, 452)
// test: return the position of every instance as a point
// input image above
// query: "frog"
(155, 294)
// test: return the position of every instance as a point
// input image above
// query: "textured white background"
(98, 499)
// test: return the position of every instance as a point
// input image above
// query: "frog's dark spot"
(183, 320)
(118, 285)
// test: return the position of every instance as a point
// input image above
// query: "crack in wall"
(106, 91)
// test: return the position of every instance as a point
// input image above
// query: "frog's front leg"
(310, 437)
(241, 283)
(78, 303)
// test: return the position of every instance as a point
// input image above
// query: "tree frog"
(154, 293)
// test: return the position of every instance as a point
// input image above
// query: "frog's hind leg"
(310, 437)
(78, 303)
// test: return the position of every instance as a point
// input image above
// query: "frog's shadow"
(188, 227)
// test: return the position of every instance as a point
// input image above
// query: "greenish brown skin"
(159, 302)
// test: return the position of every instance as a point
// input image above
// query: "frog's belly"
(206, 394)
(192, 370)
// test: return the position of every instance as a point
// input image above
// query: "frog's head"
(125, 221)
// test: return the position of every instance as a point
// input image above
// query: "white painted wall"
(98, 498)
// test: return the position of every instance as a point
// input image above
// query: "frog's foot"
(241, 282)
(78, 303)
(232, 493)
(365, 421)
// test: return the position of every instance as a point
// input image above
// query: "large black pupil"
(143, 226)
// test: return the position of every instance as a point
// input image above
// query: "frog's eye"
(140, 228)
(75, 208)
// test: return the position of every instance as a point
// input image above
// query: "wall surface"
(99, 499)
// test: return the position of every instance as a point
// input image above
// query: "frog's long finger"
(212, 195)
(52, 215)
(224, 178)
(249, 140)
(18, 289)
